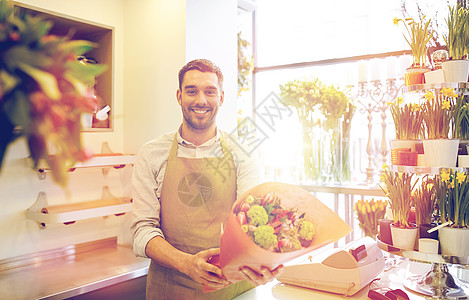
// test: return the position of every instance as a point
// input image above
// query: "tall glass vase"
(312, 154)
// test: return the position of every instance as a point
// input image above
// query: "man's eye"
(211, 93)
(191, 92)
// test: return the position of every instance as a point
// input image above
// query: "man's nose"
(201, 98)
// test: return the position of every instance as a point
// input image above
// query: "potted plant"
(417, 35)
(44, 89)
(440, 150)
(398, 188)
(456, 69)
(452, 194)
(408, 120)
(368, 214)
(461, 118)
(424, 201)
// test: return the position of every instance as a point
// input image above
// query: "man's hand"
(265, 276)
(200, 270)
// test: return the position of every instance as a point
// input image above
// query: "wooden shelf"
(102, 160)
(44, 214)
(100, 34)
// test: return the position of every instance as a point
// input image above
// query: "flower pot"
(456, 70)
(404, 238)
(436, 76)
(385, 231)
(415, 75)
(454, 241)
(441, 152)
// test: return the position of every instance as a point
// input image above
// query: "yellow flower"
(461, 177)
(445, 104)
(385, 166)
(452, 185)
(429, 95)
(395, 21)
(448, 92)
(445, 176)
(415, 107)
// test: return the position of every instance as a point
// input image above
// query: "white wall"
(211, 33)
(159, 41)
(151, 45)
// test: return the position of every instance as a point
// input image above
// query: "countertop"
(391, 278)
(69, 271)
(78, 269)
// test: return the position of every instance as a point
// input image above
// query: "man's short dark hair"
(202, 65)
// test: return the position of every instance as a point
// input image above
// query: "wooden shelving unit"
(100, 34)
(108, 205)
(44, 214)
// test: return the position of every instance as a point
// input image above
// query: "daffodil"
(461, 177)
(445, 104)
(445, 176)
(448, 92)
(416, 107)
(395, 21)
(429, 95)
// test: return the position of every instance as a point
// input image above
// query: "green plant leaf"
(77, 47)
(46, 81)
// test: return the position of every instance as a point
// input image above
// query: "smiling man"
(184, 185)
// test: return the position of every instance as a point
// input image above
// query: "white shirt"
(148, 174)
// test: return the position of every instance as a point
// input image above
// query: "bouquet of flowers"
(315, 227)
(273, 227)
(369, 213)
(44, 89)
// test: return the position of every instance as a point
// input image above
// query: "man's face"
(199, 97)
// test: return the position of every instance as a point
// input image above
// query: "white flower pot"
(456, 70)
(463, 161)
(441, 152)
(454, 241)
(404, 238)
(436, 76)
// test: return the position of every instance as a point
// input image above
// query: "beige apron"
(196, 198)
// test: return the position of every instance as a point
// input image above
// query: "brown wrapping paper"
(237, 249)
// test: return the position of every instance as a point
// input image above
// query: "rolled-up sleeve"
(146, 205)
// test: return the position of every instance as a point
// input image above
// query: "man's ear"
(179, 96)
(222, 97)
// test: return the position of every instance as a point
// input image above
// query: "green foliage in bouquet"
(44, 90)
(452, 196)
(398, 188)
(408, 119)
(272, 227)
(321, 107)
